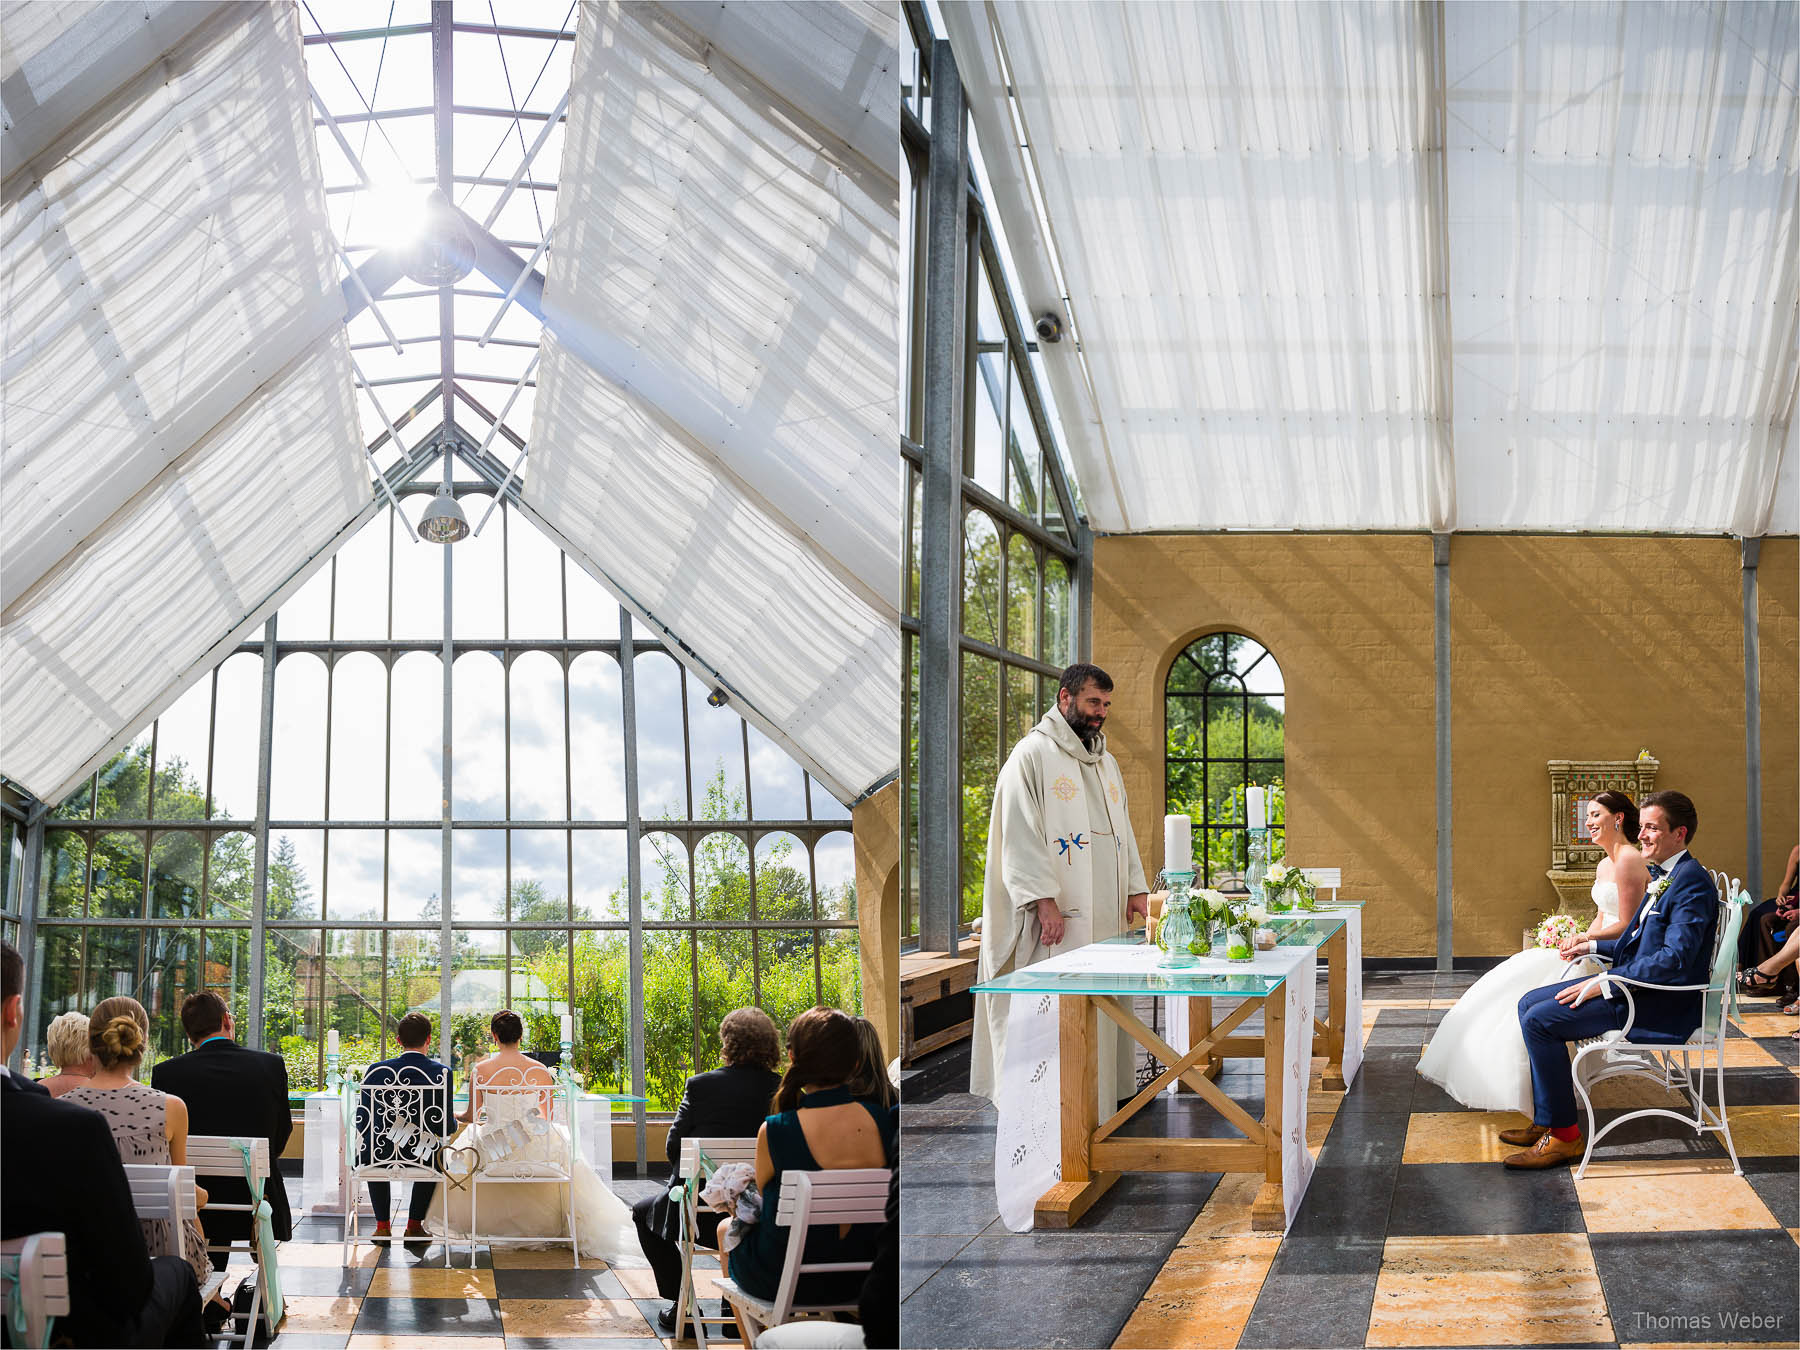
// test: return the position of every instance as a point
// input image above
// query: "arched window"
(1223, 711)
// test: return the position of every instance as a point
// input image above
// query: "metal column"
(259, 895)
(1440, 642)
(634, 879)
(28, 941)
(940, 561)
(1753, 788)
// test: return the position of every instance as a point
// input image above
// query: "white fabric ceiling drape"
(714, 427)
(172, 328)
(1306, 298)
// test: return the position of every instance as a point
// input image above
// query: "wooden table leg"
(1337, 961)
(1268, 1213)
(1200, 1025)
(1064, 1203)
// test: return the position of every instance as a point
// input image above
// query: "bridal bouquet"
(1556, 930)
(1287, 888)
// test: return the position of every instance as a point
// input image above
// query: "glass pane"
(416, 738)
(668, 1019)
(777, 784)
(59, 989)
(478, 590)
(1023, 467)
(62, 874)
(173, 969)
(722, 878)
(418, 581)
(539, 975)
(175, 865)
(540, 876)
(1265, 728)
(306, 617)
(916, 494)
(350, 989)
(415, 981)
(110, 967)
(1059, 614)
(78, 805)
(834, 868)
(602, 1010)
(297, 773)
(783, 888)
(533, 581)
(662, 763)
(479, 988)
(539, 752)
(296, 871)
(593, 610)
(596, 738)
(237, 734)
(717, 739)
(358, 738)
(179, 792)
(118, 877)
(1021, 596)
(727, 981)
(230, 878)
(416, 872)
(354, 864)
(840, 970)
(478, 738)
(824, 805)
(361, 602)
(293, 979)
(601, 879)
(987, 399)
(981, 767)
(1021, 706)
(478, 877)
(981, 578)
(124, 781)
(664, 860)
(988, 327)
(790, 982)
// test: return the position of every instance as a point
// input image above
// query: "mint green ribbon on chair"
(263, 1235)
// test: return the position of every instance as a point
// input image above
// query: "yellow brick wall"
(1778, 623)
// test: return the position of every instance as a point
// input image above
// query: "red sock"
(1566, 1134)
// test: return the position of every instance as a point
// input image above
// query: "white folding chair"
(163, 1191)
(394, 1130)
(812, 1200)
(35, 1271)
(1670, 1065)
(239, 1159)
(720, 1151)
(526, 1136)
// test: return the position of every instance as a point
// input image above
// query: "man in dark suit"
(1669, 942)
(729, 1103)
(60, 1173)
(423, 1117)
(230, 1091)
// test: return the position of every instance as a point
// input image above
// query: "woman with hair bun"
(66, 1043)
(147, 1125)
(1477, 1054)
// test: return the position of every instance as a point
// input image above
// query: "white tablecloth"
(1028, 1139)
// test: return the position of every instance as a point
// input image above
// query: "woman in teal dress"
(818, 1126)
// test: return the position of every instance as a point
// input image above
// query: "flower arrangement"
(1556, 930)
(1288, 888)
(1241, 921)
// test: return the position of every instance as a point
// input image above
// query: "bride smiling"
(1478, 1053)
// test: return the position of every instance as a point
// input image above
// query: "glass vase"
(1240, 943)
(1258, 867)
(1175, 935)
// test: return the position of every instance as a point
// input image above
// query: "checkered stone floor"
(1411, 1233)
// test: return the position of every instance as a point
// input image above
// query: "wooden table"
(927, 978)
(1093, 1154)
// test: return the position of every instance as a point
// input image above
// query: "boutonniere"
(1657, 886)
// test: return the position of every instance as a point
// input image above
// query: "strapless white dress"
(1478, 1052)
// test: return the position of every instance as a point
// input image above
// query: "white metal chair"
(524, 1135)
(812, 1200)
(245, 1159)
(394, 1133)
(163, 1191)
(35, 1271)
(1670, 1065)
(1321, 877)
(720, 1151)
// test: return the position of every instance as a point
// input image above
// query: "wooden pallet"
(925, 978)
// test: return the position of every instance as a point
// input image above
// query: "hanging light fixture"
(443, 521)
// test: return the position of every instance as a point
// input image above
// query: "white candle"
(1178, 844)
(331, 1042)
(1253, 803)
(568, 1029)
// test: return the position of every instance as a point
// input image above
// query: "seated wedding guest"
(728, 1103)
(429, 1112)
(66, 1042)
(1765, 928)
(871, 1076)
(230, 1090)
(60, 1173)
(819, 1125)
(148, 1126)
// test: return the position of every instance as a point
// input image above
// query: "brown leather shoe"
(1524, 1136)
(1548, 1152)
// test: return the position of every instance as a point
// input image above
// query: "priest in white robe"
(1062, 868)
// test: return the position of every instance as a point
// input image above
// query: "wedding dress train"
(1478, 1052)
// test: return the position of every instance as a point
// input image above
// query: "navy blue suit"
(1669, 941)
(432, 1114)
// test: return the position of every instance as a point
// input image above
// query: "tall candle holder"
(1258, 869)
(1175, 934)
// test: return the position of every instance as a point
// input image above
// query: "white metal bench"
(162, 1191)
(720, 1151)
(217, 1155)
(36, 1275)
(812, 1200)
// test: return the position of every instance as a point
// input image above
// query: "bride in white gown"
(1478, 1052)
(518, 1133)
